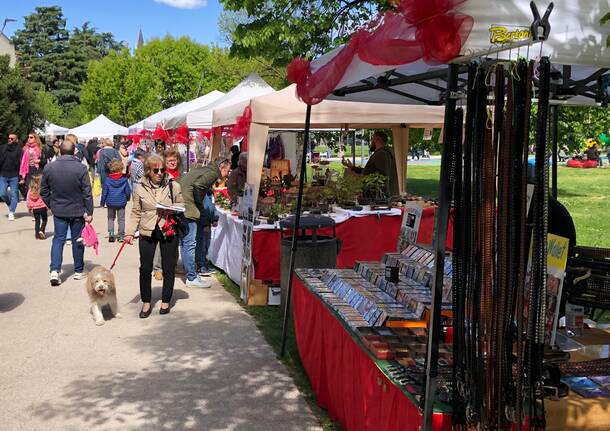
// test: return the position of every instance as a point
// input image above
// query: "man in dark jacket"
(107, 154)
(195, 185)
(10, 160)
(382, 161)
(66, 190)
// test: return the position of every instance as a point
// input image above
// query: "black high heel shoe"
(164, 310)
(145, 314)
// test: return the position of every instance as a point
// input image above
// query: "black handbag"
(181, 223)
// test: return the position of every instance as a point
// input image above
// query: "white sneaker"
(11, 216)
(79, 276)
(198, 282)
(55, 280)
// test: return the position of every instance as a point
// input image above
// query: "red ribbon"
(418, 29)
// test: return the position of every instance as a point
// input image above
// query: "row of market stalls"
(417, 336)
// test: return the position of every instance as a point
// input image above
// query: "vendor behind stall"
(381, 161)
(237, 179)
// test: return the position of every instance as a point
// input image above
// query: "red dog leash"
(117, 256)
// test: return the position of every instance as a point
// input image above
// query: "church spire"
(140, 39)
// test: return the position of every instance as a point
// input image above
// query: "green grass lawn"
(584, 192)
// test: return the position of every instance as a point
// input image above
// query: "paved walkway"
(205, 366)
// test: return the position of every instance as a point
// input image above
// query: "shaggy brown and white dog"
(102, 291)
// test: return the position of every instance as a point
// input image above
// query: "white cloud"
(184, 4)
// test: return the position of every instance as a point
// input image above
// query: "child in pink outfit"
(37, 206)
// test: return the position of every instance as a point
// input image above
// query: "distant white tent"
(51, 129)
(150, 122)
(249, 88)
(177, 118)
(101, 127)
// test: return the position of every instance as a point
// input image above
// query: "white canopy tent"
(282, 109)
(177, 118)
(249, 88)
(576, 38)
(100, 127)
(51, 129)
(150, 122)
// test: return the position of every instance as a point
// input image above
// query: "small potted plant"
(347, 189)
(374, 187)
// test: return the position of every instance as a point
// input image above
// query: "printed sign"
(410, 226)
(427, 134)
(506, 34)
(247, 214)
(557, 259)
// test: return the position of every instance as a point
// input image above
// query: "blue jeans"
(75, 225)
(204, 235)
(12, 199)
(188, 244)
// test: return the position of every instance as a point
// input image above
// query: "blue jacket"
(115, 192)
(66, 188)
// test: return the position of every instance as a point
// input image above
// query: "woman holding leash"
(156, 227)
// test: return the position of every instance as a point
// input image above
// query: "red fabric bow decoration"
(242, 124)
(418, 29)
(159, 133)
(204, 134)
(181, 134)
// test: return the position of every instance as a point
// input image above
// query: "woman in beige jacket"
(156, 187)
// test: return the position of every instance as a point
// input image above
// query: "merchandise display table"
(575, 412)
(354, 387)
(365, 235)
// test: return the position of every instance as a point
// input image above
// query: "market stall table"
(364, 235)
(575, 412)
(353, 386)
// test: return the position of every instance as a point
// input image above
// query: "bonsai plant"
(346, 189)
(374, 187)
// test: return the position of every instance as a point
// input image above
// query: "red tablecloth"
(363, 238)
(345, 379)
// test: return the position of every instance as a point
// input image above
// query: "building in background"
(7, 48)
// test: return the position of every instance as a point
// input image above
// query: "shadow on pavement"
(206, 374)
(9, 301)
(179, 294)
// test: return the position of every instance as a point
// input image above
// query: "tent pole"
(188, 158)
(554, 121)
(440, 236)
(354, 149)
(297, 220)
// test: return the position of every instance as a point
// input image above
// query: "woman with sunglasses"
(31, 160)
(156, 227)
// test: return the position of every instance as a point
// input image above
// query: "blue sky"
(195, 18)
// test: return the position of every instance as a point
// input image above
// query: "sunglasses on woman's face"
(30, 137)
(158, 170)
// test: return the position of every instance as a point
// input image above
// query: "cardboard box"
(274, 294)
(258, 293)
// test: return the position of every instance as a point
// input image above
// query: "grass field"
(584, 192)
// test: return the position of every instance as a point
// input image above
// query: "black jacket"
(10, 160)
(66, 188)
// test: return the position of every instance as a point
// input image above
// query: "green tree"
(123, 87)
(55, 59)
(164, 72)
(280, 30)
(41, 43)
(577, 124)
(19, 105)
